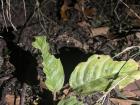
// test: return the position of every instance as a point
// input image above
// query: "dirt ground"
(75, 29)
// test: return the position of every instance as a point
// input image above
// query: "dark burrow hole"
(24, 62)
(25, 67)
(70, 58)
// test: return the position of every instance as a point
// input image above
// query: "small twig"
(25, 24)
(22, 97)
(131, 10)
(115, 10)
(101, 13)
(135, 55)
(24, 6)
(2, 6)
(106, 93)
(15, 98)
(4, 78)
(8, 12)
(54, 96)
(39, 16)
(125, 50)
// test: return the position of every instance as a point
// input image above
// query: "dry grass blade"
(131, 10)
(8, 13)
(2, 6)
(24, 5)
(125, 50)
(102, 99)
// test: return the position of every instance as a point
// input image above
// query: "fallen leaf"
(134, 88)
(101, 31)
(122, 101)
(83, 24)
(129, 94)
(11, 98)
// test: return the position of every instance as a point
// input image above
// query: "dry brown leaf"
(90, 12)
(83, 24)
(101, 31)
(11, 98)
(63, 14)
(64, 8)
(121, 101)
(129, 94)
(133, 87)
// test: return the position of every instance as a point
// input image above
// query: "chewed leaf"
(70, 101)
(99, 71)
(52, 66)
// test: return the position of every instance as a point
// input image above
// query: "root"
(23, 93)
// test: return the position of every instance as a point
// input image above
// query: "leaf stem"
(54, 96)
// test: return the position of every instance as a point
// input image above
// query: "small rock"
(66, 91)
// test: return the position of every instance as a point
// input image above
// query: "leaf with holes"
(52, 66)
(70, 101)
(100, 73)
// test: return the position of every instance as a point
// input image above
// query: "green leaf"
(129, 73)
(70, 101)
(99, 71)
(52, 66)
